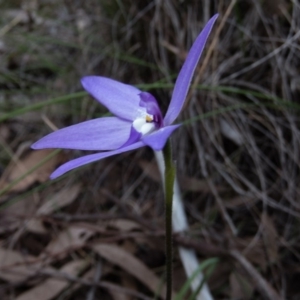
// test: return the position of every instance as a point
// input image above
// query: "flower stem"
(169, 184)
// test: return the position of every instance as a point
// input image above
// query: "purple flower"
(138, 120)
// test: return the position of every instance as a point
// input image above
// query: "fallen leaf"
(89, 276)
(132, 265)
(15, 267)
(124, 225)
(63, 198)
(30, 161)
(12, 216)
(71, 238)
(50, 288)
(59, 200)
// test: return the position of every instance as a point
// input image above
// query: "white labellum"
(142, 126)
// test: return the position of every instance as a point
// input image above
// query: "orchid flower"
(138, 121)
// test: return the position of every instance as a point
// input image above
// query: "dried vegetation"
(97, 233)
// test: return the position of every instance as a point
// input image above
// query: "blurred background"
(98, 232)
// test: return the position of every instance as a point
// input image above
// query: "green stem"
(169, 185)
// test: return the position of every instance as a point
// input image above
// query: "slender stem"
(169, 184)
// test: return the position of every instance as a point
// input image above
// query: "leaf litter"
(22, 173)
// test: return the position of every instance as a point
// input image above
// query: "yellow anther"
(149, 118)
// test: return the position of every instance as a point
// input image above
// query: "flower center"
(149, 118)
(144, 124)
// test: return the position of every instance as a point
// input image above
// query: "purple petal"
(186, 73)
(98, 134)
(133, 137)
(78, 162)
(157, 139)
(119, 98)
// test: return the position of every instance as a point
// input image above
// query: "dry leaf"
(130, 264)
(73, 237)
(90, 277)
(52, 287)
(57, 201)
(126, 282)
(41, 174)
(13, 215)
(15, 267)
